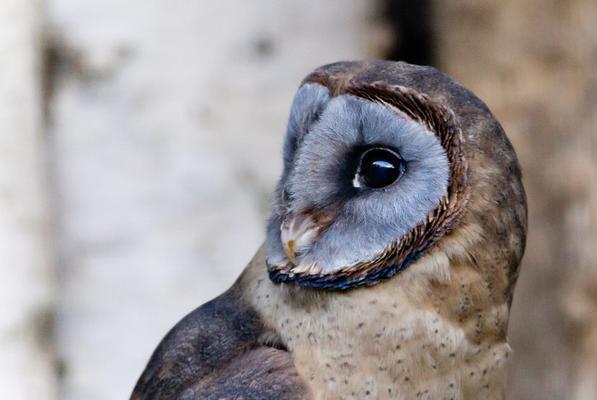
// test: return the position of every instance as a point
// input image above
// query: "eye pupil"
(380, 168)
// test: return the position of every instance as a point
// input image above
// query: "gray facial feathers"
(307, 106)
(324, 142)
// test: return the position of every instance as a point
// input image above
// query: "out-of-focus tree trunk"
(167, 119)
(535, 64)
(26, 361)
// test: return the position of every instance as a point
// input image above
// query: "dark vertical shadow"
(412, 33)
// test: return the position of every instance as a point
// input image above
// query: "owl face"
(365, 186)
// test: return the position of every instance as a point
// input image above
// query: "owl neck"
(433, 329)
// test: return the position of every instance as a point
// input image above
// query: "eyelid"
(355, 180)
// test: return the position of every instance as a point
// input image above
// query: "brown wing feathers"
(215, 353)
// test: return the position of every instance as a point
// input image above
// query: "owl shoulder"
(217, 352)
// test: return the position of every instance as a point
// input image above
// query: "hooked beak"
(297, 233)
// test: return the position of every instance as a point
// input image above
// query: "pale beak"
(297, 233)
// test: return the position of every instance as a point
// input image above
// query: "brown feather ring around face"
(439, 222)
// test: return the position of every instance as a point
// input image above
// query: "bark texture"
(26, 264)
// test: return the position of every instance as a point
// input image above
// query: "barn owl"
(390, 258)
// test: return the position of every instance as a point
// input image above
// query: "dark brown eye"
(380, 168)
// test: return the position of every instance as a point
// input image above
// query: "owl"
(391, 254)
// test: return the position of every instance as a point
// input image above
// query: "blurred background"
(140, 141)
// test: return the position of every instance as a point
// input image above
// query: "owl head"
(385, 163)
